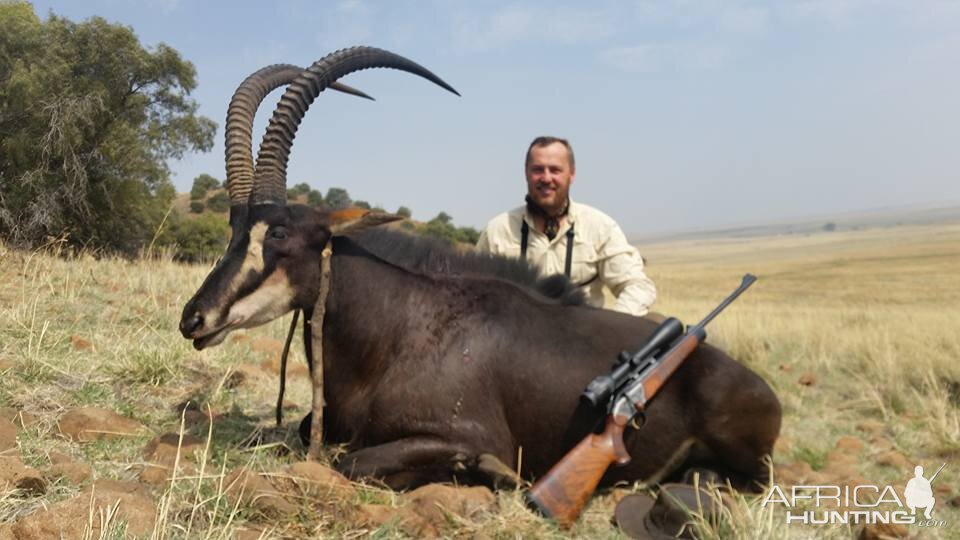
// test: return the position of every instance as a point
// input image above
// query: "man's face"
(549, 176)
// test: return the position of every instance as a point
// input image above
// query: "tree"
(197, 207)
(440, 228)
(219, 202)
(405, 212)
(468, 235)
(315, 198)
(338, 198)
(88, 120)
(829, 226)
(362, 204)
(201, 185)
(298, 191)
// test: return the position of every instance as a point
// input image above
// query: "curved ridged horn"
(271, 171)
(239, 130)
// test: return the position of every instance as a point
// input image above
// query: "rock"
(878, 443)
(121, 486)
(163, 449)
(412, 524)
(8, 436)
(319, 481)
(79, 343)
(18, 417)
(246, 374)
(892, 458)
(838, 458)
(68, 518)
(872, 427)
(849, 445)
(92, 423)
(432, 501)
(798, 473)
(883, 531)
(161, 452)
(253, 490)
(155, 475)
(249, 534)
(807, 379)
(76, 473)
(15, 475)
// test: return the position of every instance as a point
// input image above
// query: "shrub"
(219, 202)
(198, 239)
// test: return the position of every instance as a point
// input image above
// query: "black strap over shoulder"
(524, 236)
(568, 264)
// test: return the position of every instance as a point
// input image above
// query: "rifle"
(562, 493)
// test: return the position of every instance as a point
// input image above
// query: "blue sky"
(683, 113)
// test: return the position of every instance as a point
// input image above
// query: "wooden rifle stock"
(562, 493)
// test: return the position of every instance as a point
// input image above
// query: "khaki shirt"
(601, 254)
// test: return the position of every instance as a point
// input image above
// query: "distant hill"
(867, 219)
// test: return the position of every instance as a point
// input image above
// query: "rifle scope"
(600, 389)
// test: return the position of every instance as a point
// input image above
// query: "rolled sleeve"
(622, 271)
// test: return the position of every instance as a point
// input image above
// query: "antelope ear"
(354, 220)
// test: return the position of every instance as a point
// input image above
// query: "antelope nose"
(189, 325)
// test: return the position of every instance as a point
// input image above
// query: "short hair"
(546, 140)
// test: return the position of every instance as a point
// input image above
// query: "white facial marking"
(270, 300)
(252, 261)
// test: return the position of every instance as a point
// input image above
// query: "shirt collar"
(568, 220)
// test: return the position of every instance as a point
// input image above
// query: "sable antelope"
(434, 358)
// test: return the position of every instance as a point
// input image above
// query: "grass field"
(857, 332)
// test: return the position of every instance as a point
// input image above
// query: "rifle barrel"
(936, 473)
(748, 280)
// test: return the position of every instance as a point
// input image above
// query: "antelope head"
(272, 262)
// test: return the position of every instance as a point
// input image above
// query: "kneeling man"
(559, 235)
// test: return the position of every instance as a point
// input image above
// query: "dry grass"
(873, 315)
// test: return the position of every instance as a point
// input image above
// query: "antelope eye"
(278, 234)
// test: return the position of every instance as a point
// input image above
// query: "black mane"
(432, 257)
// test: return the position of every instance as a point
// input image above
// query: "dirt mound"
(15, 475)
(93, 423)
(63, 466)
(18, 417)
(70, 518)
(8, 435)
(248, 488)
(435, 501)
(161, 455)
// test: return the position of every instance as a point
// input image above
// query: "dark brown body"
(425, 372)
